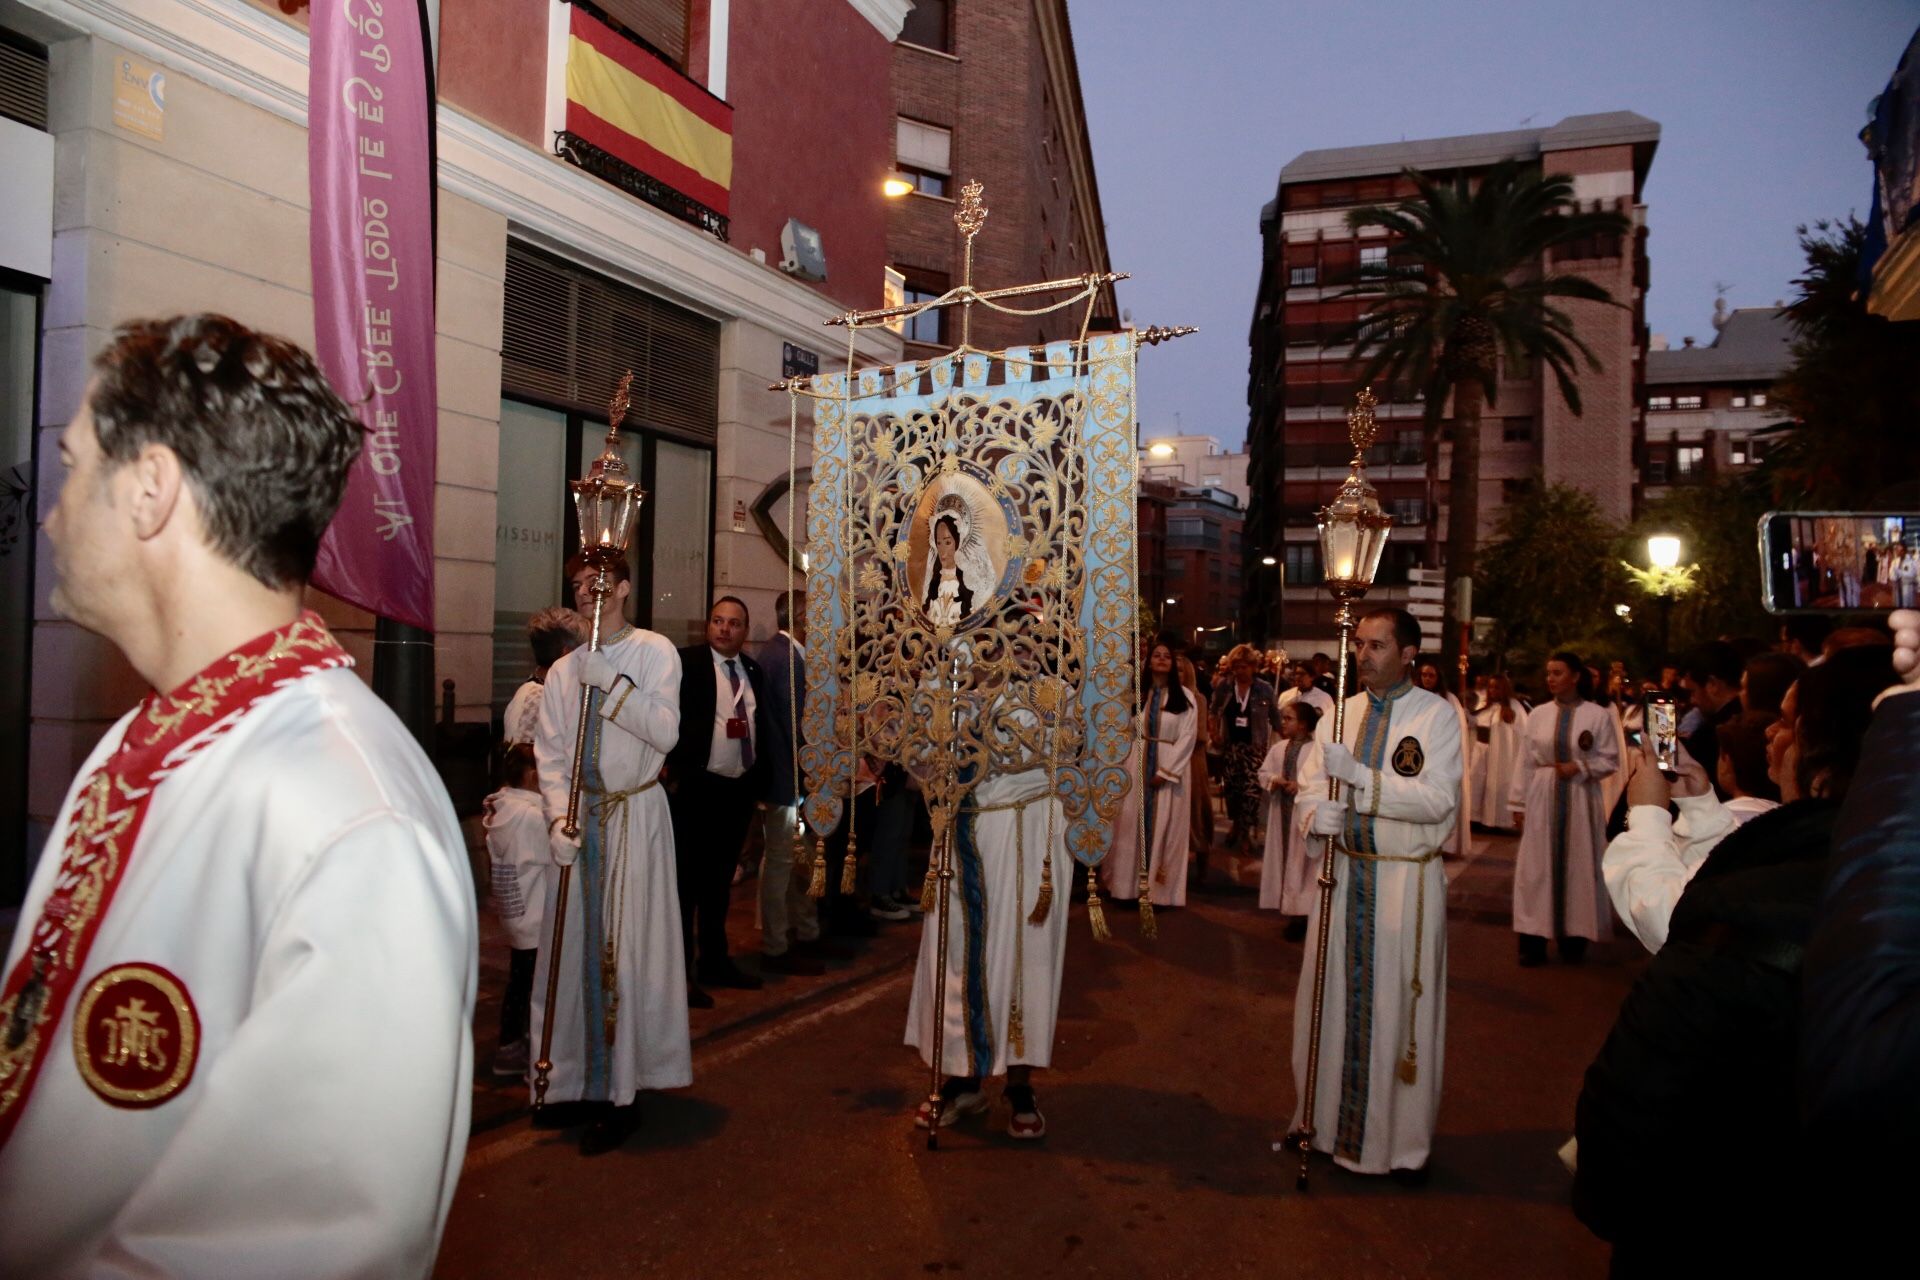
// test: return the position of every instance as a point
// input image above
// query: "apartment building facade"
(1301, 386)
(1708, 408)
(989, 91)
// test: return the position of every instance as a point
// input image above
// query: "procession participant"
(1164, 731)
(1288, 873)
(1384, 1035)
(1432, 676)
(789, 921)
(1002, 967)
(518, 857)
(1498, 729)
(1558, 891)
(1242, 724)
(1199, 784)
(234, 1021)
(551, 634)
(716, 773)
(620, 1013)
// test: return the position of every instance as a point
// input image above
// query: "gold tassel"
(817, 887)
(1043, 903)
(1148, 929)
(1409, 1067)
(848, 866)
(927, 887)
(1096, 914)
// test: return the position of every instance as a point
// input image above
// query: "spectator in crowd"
(1860, 1023)
(1764, 684)
(789, 922)
(1804, 635)
(1711, 677)
(518, 857)
(1689, 1107)
(1243, 715)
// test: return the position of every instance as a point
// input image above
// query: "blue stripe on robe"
(597, 1079)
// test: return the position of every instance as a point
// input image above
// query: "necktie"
(739, 706)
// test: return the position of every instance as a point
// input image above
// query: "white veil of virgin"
(971, 558)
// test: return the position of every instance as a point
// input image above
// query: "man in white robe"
(248, 1053)
(1383, 1037)
(1497, 729)
(620, 1014)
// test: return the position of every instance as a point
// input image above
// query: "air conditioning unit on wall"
(801, 253)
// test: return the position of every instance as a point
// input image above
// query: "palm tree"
(1464, 285)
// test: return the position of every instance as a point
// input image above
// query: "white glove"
(1339, 763)
(563, 847)
(597, 671)
(1329, 818)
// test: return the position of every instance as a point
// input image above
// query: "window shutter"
(924, 146)
(570, 334)
(661, 23)
(23, 84)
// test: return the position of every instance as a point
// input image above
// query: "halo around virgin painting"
(957, 559)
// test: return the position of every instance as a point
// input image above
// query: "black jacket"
(1686, 1120)
(1860, 1041)
(697, 694)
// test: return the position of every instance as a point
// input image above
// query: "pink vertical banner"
(371, 174)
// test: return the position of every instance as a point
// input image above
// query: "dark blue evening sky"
(1194, 106)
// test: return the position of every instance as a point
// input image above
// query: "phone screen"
(1839, 561)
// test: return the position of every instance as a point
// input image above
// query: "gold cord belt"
(1016, 1018)
(609, 810)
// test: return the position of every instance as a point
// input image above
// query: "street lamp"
(1268, 561)
(1353, 534)
(1663, 551)
(895, 185)
(1160, 449)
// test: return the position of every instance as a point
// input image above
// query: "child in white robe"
(519, 858)
(1288, 872)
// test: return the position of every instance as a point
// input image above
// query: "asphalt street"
(793, 1152)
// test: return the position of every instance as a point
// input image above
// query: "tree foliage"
(1853, 389)
(1552, 577)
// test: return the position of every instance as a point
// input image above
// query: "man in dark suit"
(718, 776)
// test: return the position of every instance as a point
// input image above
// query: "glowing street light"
(1663, 550)
(1269, 561)
(895, 185)
(1160, 449)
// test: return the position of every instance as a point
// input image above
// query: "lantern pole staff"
(1353, 533)
(605, 503)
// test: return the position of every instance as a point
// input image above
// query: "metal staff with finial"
(1353, 534)
(606, 503)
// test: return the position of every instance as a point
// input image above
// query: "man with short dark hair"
(234, 1020)
(719, 772)
(1711, 677)
(785, 908)
(619, 1022)
(1383, 1039)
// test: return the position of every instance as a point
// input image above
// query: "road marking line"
(526, 1136)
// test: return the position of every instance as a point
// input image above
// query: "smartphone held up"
(1839, 561)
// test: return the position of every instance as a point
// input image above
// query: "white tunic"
(996, 959)
(1383, 936)
(306, 881)
(520, 860)
(1566, 823)
(1289, 873)
(1460, 843)
(640, 902)
(1172, 812)
(1496, 752)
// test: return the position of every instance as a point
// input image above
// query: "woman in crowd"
(1199, 786)
(1287, 875)
(1165, 729)
(1498, 727)
(1243, 709)
(1570, 748)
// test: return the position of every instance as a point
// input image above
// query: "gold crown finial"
(971, 214)
(621, 402)
(1361, 427)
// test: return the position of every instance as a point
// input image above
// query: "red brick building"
(988, 91)
(1300, 387)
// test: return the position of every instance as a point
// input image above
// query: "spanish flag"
(635, 107)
